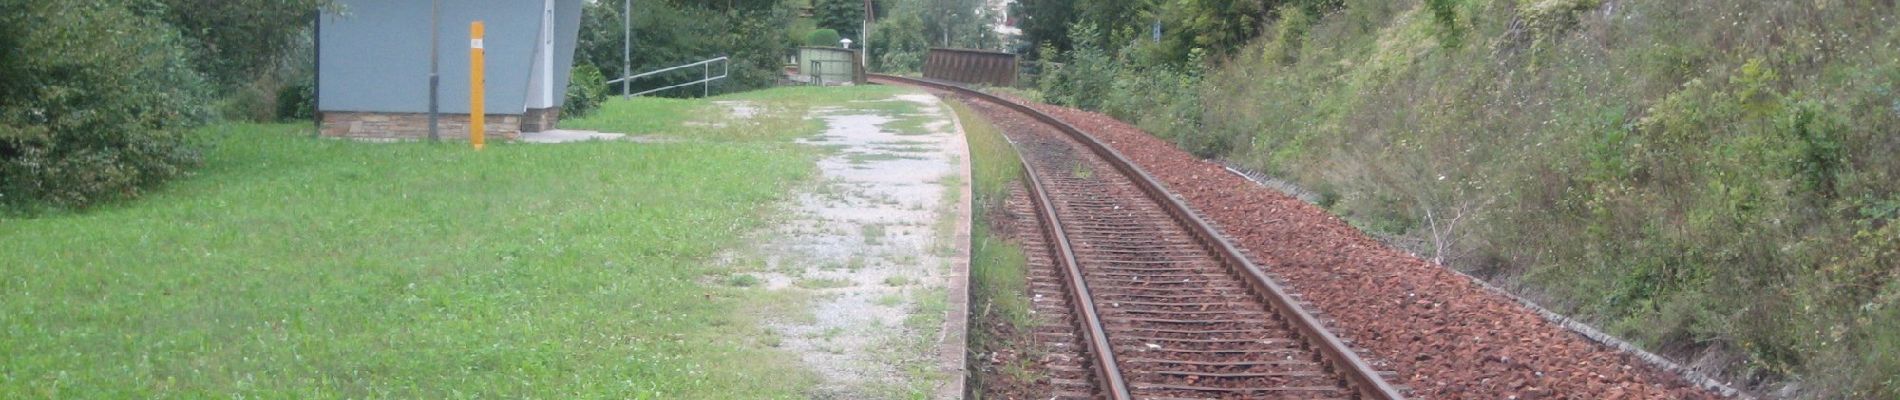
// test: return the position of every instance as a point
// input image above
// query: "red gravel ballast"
(1448, 337)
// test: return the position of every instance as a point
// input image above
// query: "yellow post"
(476, 114)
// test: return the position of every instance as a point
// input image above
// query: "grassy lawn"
(299, 267)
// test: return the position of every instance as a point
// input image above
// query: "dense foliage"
(233, 41)
(297, 100)
(669, 33)
(843, 17)
(93, 101)
(95, 96)
(910, 28)
(586, 90)
(1176, 29)
(898, 44)
(1709, 178)
(822, 38)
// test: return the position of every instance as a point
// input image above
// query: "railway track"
(1164, 306)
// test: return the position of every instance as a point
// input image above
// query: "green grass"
(641, 115)
(999, 303)
(897, 280)
(872, 233)
(299, 267)
(743, 280)
(823, 283)
(909, 126)
(823, 95)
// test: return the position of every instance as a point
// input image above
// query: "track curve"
(1167, 306)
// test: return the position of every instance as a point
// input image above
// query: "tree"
(844, 16)
(1219, 26)
(1045, 22)
(899, 44)
(671, 33)
(960, 23)
(233, 41)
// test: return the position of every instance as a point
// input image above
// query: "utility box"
(831, 65)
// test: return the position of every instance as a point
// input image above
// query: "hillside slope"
(1714, 180)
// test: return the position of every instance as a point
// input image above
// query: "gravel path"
(1446, 335)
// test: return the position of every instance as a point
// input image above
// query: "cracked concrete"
(881, 247)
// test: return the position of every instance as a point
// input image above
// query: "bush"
(254, 102)
(586, 90)
(296, 101)
(93, 102)
(822, 38)
(846, 17)
(1087, 76)
(899, 45)
(667, 33)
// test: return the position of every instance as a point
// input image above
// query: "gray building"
(373, 66)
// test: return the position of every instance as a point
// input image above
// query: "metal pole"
(435, 77)
(316, 68)
(626, 49)
(477, 97)
(705, 80)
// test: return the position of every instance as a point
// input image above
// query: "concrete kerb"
(955, 339)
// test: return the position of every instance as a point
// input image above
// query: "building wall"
(415, 126)
(835, 65)
(567, 27)
(375, 54)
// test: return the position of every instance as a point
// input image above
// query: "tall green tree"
(233, 41)
(1045, 22)
(898, 43)
(668, 33)
(959, 23)
(844, 16)
(1218, 26)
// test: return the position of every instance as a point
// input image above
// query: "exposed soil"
(1446, 335)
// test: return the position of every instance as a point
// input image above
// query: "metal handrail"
(706, 76)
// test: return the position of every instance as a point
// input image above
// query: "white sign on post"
(474, 43)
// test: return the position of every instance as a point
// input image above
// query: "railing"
(706, 77)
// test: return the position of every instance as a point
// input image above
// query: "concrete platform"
(881, 248)
(567, 136)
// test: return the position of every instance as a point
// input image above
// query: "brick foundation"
(538, 120)
(415, 126)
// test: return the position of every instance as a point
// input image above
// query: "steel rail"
(1357, 374)
(1107, 371)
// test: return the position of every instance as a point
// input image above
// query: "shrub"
(1445, 15)
(844, 17)
(296, 101)
(899, 44)
(254, 102)
(93, 100)
(1087, 76)
(586, 90)
(822, 38)
(666, 33)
